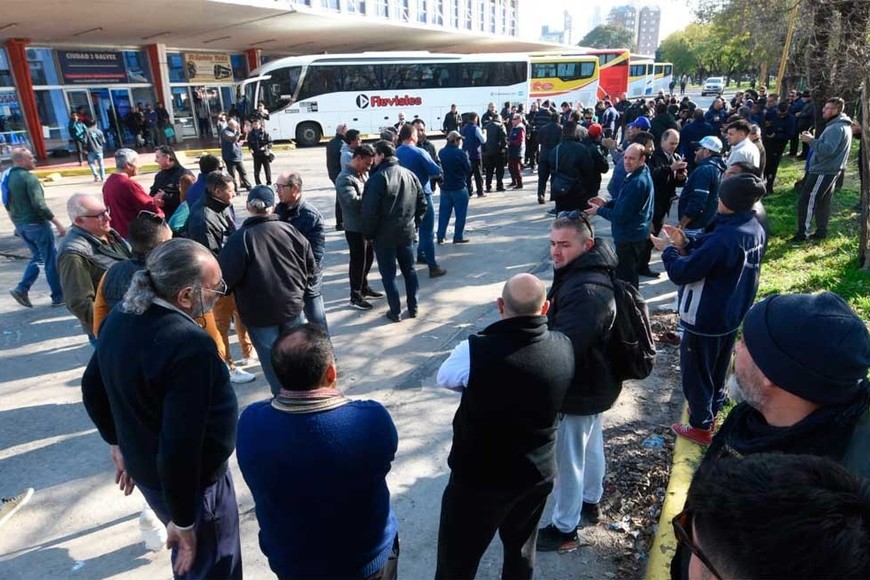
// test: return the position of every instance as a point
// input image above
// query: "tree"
(606, 36)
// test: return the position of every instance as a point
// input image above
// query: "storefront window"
(53, 117)
(240, 67)
(13, 132)
(137, 66)
(176, 67)
(5, 72)
(42, 68)
(144, 96)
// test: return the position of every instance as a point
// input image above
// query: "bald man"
(513, 377)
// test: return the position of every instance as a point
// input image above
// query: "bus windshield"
(278, 88)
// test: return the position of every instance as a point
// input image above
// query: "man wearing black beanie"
(801, 370)
(717, 274)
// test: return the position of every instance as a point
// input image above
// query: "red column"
(16, 50)
(154, 61)
(253, 55)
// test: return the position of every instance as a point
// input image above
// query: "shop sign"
(207, 67)
(86, 67)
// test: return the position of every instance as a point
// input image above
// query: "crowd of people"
(158, 278)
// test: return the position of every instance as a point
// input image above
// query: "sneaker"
(58, 304)
(500, 188)
(436, 272)
(238, 376)
(462, 241)
(482, 195)
(395, 317)
(10, 505)
(440, 241)
(550, 539)
(250, 359)
(21, 298)
(699, 436)
(369, 293)
(361, 304)
(590, 513)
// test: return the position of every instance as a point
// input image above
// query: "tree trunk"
(864, 244)
(818, 63)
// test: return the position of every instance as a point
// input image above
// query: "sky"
(676, 15)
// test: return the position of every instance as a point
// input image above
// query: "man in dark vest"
(90, 247)
(513, 377)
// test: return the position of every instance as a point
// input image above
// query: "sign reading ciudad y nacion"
(80, 67)
(207, 67)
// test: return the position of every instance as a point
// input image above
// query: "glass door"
(106, 116)
(182, 105)
(123, 105)
(80, 102)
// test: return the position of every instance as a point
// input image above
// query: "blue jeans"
(314, 310)
(452, 200)
(95, 158)
(426, 247)
(263, 337)
(387, 256)
(40, 241)
(218, 547)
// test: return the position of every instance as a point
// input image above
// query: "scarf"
(825, 432)
(314, 401)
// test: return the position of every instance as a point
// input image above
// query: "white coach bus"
(308, 96)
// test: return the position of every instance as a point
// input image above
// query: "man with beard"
(167, 179)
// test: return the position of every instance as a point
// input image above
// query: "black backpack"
(632, 349)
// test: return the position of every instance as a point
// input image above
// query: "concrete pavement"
(78, 525)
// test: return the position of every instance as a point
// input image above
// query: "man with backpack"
(582, 306)
(717, 274)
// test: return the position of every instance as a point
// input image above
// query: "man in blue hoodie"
(830, 154)
(697, 205)
(717, 274)
(630, 215)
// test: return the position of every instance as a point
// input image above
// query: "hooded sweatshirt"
(831, 148)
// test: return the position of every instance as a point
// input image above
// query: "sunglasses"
(104, 213)
(151, 216)
(683, 532)
(577, 215)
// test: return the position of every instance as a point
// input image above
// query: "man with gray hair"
(25, 201)
(124, 196)
(169, 412)
(90, 247)
(268, 264)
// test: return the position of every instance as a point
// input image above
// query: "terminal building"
(188, 54)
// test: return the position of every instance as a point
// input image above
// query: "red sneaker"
(699, 436)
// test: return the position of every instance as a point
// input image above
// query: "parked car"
(713, 86)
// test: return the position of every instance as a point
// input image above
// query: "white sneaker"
(247, 361)
(238, 376)
(10, 505)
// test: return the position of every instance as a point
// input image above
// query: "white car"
(713, 86)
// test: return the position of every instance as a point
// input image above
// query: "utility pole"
(787, 48)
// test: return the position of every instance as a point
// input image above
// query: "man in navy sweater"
(630, 215)
(513, 377)
(161, 397)
(717, 274)
(316, 464)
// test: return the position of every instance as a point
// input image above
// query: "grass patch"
(830, 264)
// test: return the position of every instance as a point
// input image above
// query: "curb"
(687, 457)
(191, 155)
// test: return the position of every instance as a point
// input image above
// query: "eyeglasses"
(221, 289)
(151, 216)
(683, 532)
(577, 215)
(104, 213)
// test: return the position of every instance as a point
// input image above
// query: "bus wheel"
(308, 134)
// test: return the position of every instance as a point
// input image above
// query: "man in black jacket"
(513, 377)
(392, 204)
(268, 264)
(161, 398)
(494, 151)
(583, 308)
(168, 178)
(573, 170)
(549, 136)
(668, 171)
(210, 223)
(333, 166)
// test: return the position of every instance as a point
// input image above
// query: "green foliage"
(606, 36)
(707, 49)
(830, 264)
